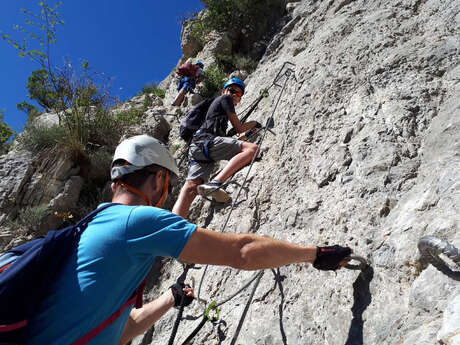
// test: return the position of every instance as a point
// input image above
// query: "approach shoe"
(213, 189)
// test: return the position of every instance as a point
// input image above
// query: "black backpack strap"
(82, 224)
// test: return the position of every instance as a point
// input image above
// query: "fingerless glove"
(329, 258)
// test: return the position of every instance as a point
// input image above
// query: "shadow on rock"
(362, 298)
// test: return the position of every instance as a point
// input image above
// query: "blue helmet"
(235, 81)
(199, 63)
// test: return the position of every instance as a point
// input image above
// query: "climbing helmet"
(235, 81)
(139, 152)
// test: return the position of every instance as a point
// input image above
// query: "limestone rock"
(365, 154)
(449, 333)
(190, 45)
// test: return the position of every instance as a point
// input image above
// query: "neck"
(130, 199)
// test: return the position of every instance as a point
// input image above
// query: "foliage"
(78, 96)
(242, 18)
(30, 109)
(5, 132)
(229, 63)
(30, 218)
(39, 137)
(41, 90)
(244, 63)
(153, 88)
(213, 81)
(94, 129)
(42, 30)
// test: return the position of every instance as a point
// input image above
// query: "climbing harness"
(431, 247)
(288, 73)
(245, 113)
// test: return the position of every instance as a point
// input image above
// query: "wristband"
(329, 258)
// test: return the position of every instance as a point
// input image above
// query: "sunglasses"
(235, 92)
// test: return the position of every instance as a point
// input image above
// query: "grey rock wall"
(366, 154)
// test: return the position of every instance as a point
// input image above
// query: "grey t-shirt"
(216, 121)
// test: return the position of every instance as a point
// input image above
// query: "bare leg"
(248, 150)
(180, 97)
(187, 194)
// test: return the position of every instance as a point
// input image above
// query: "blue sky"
(134, 42)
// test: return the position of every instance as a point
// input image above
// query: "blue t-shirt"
(114, 254)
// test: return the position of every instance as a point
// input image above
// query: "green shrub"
(226, 63)
(6, 132)
(213, 81)
(242, 18)
(153, 88)
(36, 138)
(229, 63)
(30, 218)
(244, 63)
(100, 159)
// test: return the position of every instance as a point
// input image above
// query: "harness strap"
(136, 299)
(164, 193)
(13, 326)
(135, 191)
(4, 267)
(206, 146)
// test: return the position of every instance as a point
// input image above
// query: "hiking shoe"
(213, 189)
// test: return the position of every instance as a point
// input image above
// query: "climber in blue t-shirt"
(119, 246)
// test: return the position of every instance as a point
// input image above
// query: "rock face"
(366, 154)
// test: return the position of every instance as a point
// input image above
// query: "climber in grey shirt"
(210, 144)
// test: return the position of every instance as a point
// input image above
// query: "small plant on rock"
(213, 81)
(153, 88)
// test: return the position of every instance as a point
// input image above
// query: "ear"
(113, 187)
(158, 180)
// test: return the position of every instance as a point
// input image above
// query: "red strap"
(4, 267)
(95, 331)
(136, 298)
(139, 294)
(13, 326)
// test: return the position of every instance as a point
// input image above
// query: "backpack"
(187, 70)
(28, 270)
(193, 120)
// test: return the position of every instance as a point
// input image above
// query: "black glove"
(328, 258)
(258, 125)
(178, 292)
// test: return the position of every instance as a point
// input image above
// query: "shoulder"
(147, 213)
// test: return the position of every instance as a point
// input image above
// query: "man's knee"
(250, 148)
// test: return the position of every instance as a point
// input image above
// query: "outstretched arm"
(243, 251)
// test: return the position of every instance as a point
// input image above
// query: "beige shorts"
(220, 148)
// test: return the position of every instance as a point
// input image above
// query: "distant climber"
(210, 144)
(120, 244)
(190, 75)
